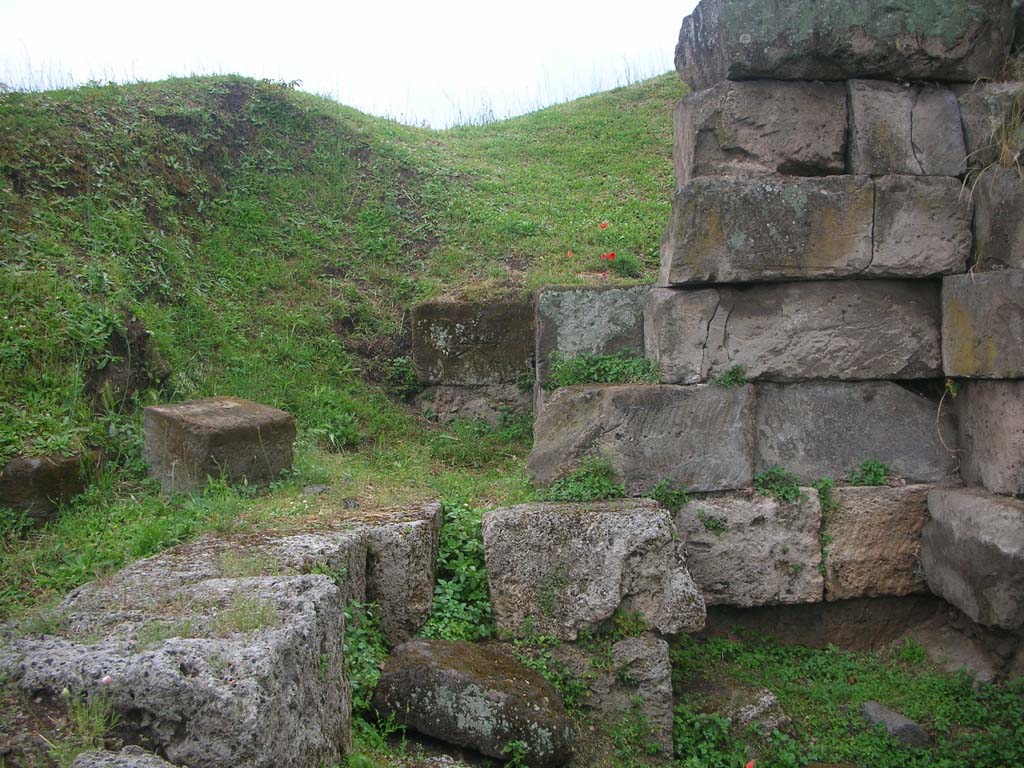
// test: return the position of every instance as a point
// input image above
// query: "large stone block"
(851, 330)
(37, 486)
(903, 129)
(991, 422)
(827, 428)
(991, 115)
(873, 538)
(796, 128)
(983, 325)
(745, 549)
(700, 437)
(580, 320)
(129, 757)
(972, 551)
(226, 437)
(489, 402)
(999, 220)
(471, 343)
(559, 569)
(948, 40)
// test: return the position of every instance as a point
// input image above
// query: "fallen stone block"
(579, 320)
(872, 541)
(991, 120)
(757, 127)
(475, 697)
(129, 757)
(999, 220)
(903, 729)
(826, 429)
(903, 129)
(972, 551)
(983, 325)
(650, 434)
(472, 343)
(221, 437)
(957, 41)
(746, 549)
(797, 331)
(991, 435)
(560, 568)
(37, 486)
(489, 402)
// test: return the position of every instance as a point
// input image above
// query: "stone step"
(983, 325)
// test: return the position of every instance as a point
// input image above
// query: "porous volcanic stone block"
(734, 229)
(796, 128)
(226, 437)
(903, 129)
(983, 325)
(129, 757)
(999, 220)
(973, 554)
(471, 343)
(580, 320)
(38, 485)
(489, 402)
(949, 40)
(745, 549)
(700, 437)
(991, 421)
(922, 227)
(873, 537)
(851, 330)
(991, 119)
(561, 568)
(827, 428)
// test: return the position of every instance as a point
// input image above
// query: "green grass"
(621, 368)
(593, 480)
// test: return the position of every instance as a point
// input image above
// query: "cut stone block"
(735, 229)
(699, 437)
(598, 321)
(826, 429)
(129, 757)
(795, 128)
(559, 568)
(973, 554)
(899, 727)
(225, 437)
(991, 421)
(999, 220)
(983, 325)
(947, 40)
(37, 486)
(988, 114)
(472, 343)
(873, 539)
(797, 331)
(489, 402)
(745, 549)
(901, 129)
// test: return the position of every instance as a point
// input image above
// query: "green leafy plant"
(400, 377)
(734, 377)
(627, 265)
(517, 752)
(712, 523)
(779, 483)
(870, 473)
(365, 651)
(593, 480)
(670, 496)
(632, 738)
(91, 718)
(826, 498)
(478, 443)
(621, 368)
(705, 740)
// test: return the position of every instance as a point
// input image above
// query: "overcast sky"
(416, 61)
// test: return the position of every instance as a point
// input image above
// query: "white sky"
(415, 61)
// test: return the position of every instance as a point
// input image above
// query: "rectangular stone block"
(990, 113)
(945, 40)
(972, 551)
(572, 321)
(828, 428)
(226, 437)
(38, 485)
(872, 541)
(489, 402)
(745, 549)
(763, 126)
(901, 129)
(472, 343)
(796, 331)
(983, 325)
(999, 220)
(699, 437)
(991, 423)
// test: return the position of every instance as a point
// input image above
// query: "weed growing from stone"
(234, 565)
(632, 738)
(826, 498)
(780, 484)
(670, 496)
(365, 651)
(594, 480)
(245, 614)
(870, 473)
(734, 377)
(621, 368)
(712, 523)
(91, 717)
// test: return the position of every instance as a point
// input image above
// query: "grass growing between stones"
(621, 368)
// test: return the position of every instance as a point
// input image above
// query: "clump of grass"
(245, 614)
(621, 368)
(870, 472)
(593, 480)
(91, 718)
(780, 484)
(734, 377)
(478, 443)
(670, 496)
(712, 523)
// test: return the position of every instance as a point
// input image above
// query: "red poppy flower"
(603, 225)
(611, 256)
(750, 764)
(568, 255)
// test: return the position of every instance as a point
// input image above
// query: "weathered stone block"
(991, 422)
(558, 569)
(922, 227)
(735, 229)
(488, 402)
(185, 443)
(991, 119)
(873, 539)
(797, 331)
(947, 40)
(972, 551)
(825, 429)
(983, 325)
(700, 437)
(472, 343)
(745, 549)
(129, 757)
(37, 486)
(999, 220)
(579, 320)
(796, 128)
(903, 129)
